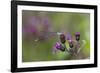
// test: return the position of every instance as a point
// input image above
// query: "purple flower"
(62, 38)
(77, 35)
(70, 43)
(69, 37)
(34, 25)
(30, 31)
(45, 22)
(58, 46)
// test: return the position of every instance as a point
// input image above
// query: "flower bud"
(62, 38)
(70, 44)
(77, 35)
(59, 46)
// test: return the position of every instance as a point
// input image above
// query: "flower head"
(69, 37)
(70, 44)
(77, 35)
(62, 38)
(58, 46)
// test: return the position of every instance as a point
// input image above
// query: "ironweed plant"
(74, 44)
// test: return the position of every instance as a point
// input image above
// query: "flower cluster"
(74, 44)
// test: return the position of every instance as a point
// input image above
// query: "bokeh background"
(38, 34)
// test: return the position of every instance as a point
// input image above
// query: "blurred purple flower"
(30, 29)
(69, 37)
(32, 20)
(34, 25)
(45, 22)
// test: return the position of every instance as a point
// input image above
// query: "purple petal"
(77, 33)
(58, 45)
(69, 37)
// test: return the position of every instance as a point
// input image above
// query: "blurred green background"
(33, 22)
